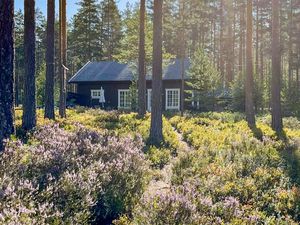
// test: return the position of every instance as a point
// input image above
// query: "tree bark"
(276, 70)
(50, 70)
(242, 39)
(63, 57)
(257, 40)
(182, 53)
(249, 103)
(29, 105)
(156, 136)
(6, 70)
(142, 67)
(230, 45)
(222, 62)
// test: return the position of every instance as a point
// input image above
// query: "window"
(173, 99)
(123, 99)
(95, 94)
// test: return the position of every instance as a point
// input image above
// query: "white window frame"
(149, 99)
(95, 96)
(119, 99)
(173, 106)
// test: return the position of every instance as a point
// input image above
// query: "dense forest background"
(99, 31)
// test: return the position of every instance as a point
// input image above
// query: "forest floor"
(206, 158)
(162, 182)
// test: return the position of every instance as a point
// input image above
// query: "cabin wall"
(111, 92)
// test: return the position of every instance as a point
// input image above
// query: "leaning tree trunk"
(142, 72)
(49, 89)
(156, 136)
(63, 57)
(249, 102)
(276, 70)
(6, 69)
(29, 105)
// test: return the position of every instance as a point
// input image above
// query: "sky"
(71, 5)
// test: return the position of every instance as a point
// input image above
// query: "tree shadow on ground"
(291, 155)
(257, 132)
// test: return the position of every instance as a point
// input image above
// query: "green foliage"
(238, 94)
(159, 157)
(291, 98)
(96, 31)
(111, 28)
(128, 52)
(230, 178)
(85, 33)
(205, 78)
(133, 92)
(40, 86)
(237, 91)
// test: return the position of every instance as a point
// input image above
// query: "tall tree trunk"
(290, 46)
(276, 70)
(6, 70)
(63, 57)
(182, 53)
(50, 70)
(249, 103)
(242, 39)
(222, 63)
(142, 67)
(257, 40)
(229, 43)
(156, 136)
(262, 78)
(29, 105)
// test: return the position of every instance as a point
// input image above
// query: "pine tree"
(142, 65)
(111, 30)
(276, 70)
(85, 36)
(19, 56)
(63, 57)
(50, 70)
(129, 50)
(249, 81)
(204, 78)
(6, 70)
(156, 135)
(29, 104)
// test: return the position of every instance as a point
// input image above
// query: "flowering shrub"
(230, 178)
(71, 178)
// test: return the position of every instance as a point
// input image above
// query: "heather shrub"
(65, 177)
(186, 205)
(240, 179)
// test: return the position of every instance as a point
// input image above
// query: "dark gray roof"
(113, 71)
(102, 71)
(174, 70)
